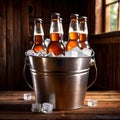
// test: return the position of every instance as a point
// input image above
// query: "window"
(107, 16)
(111, 15)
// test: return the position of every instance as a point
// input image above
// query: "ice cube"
(47, 107)
(60, 55)
(36, 107)
(76, 49)
(27, 96)
(29, 52)
(50, 54)
(41, 53)
(47, 41)
(73, 52)
(92, 102)
(87, 51)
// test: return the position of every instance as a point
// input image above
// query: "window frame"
(100, 17)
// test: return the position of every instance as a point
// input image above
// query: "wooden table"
(14, 107)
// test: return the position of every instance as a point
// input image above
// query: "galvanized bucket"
(60, 81)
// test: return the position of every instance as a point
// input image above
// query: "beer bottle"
(55, 44)
(83, 35)
(38, 36)
(73, 35)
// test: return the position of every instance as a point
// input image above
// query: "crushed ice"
(75, 52)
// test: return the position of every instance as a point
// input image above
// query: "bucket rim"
(59, 57)
(43, 57)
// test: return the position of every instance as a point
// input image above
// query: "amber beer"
(38, 45)
(55, 45)
(83, 40)
(73, 40)
(55, 36)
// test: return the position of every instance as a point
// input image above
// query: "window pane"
(114, 17)
(111, 17)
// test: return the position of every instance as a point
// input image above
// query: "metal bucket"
(60, 81)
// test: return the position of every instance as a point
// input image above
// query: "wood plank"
(98, 13)
(17, 44)
(106, 98)
(30, 116)
(61, 115)
(105, 109)
(38, 8)
(46, 8)
(31, 20)
(10, 46)
(2, 44)
(25, 42)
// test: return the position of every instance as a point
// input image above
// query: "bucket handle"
(24, 75)
(93, 63)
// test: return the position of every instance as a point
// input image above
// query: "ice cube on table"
(47, 107)
(27, 96)
(92, 102)
(36, 107)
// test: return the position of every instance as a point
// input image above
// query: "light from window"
(111, 15)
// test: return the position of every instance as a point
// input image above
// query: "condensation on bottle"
(61, 31)
(73, 34)
(83, 33)
(38, 36)
(55, 45)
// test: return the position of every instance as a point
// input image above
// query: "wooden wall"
(16, 30)
(107, 54)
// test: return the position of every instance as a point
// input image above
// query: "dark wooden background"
(16, 30)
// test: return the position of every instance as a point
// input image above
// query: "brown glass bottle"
(83, 36)
(73, 38)
(38, 36)
(55, 44)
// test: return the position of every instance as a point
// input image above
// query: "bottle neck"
(55, 31)
(74, 28)
(61, 30)
(38, 31)
(83, 29)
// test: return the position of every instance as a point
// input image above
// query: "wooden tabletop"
(14, 107)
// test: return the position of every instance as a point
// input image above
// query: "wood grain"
(12, 106)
